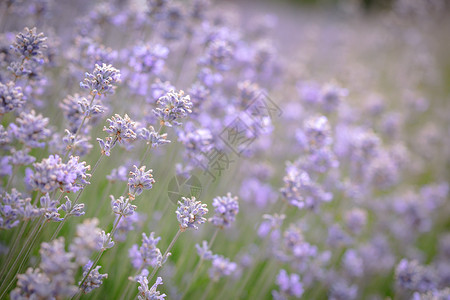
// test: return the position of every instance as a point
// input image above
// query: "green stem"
(155, 269)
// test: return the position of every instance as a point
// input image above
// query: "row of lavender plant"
(104, 106)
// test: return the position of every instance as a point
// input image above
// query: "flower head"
(190, 213)
(172, 107)
(102, 80)
(149, 294)
(226, 209)
(139, 181)
(11, 97)
(29, 44)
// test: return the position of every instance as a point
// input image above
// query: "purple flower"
(146, 59)
(29, 45)
(52, 173)
(105, 241)
(121, 129)
(86, 240)
(94, 279)
(203, 251)
(289, 285)
(172, 107)
(221, 267)
(410, 275)
(190, 213)
(31, 129)
(225, 209)
(102, 80)
(149, 294)
(122, 206)
(75, 210)
(139, 181)
(152, 137)
(11, 97)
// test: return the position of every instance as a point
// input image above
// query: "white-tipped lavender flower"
(94, 279)
(203, 251)
(190, 213)
(122, 206)
(10, 206)
(152, 137)
(11, 97)
(149, 294)
(172, 107)
(102, 80)
(29, 44)
(225, 209)
(90, 110)
(221, 267)
(75, 210)
(105, 241)
(86, 240)
(121, 129)
(147, 254)
(49, 208)
(139, 181)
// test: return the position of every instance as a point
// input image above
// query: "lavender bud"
(221, 267)
(94, 279)
(203, 251)
(105, 241)
(29, 45)
(31, 129)
(76, 210)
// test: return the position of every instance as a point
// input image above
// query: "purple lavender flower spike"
(152, 137)
(105, 241)
(75, 210)
(122, 206)
(139, 181)
(94, 279)
(29, 44)
(11, 97)
(31, 129)
(190, 213)
(226, 209)
(221, 267)
(149, 294)
(102, 80)
(290, 286)
(172, 107)
(121, 129)
(203, 251)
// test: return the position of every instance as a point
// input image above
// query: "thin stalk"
(208, 289)
(155, 269)
(28, 245)
(113, 231)
(78, 129)
(130, 282)
(61, 224)
(16, 238)
(106, 193)
(199, 264)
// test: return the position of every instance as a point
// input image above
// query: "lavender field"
(163, 149)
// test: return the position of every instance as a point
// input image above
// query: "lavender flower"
(226, 209)
(86, 240)
(52, 173)
(102, 80)
(122, 206)
(152, 137)
(146, 59)
(139, 181)
(94, 279)
(121, 129)
(203, 251)
(172, 107)
(190, 213)
(410, 275)
(11, 97)
(221, 267)
(31, 129)
(290, 286)
(149, 294)
(10, 206)
(29, 45)
(75, 210)
(105, 241)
